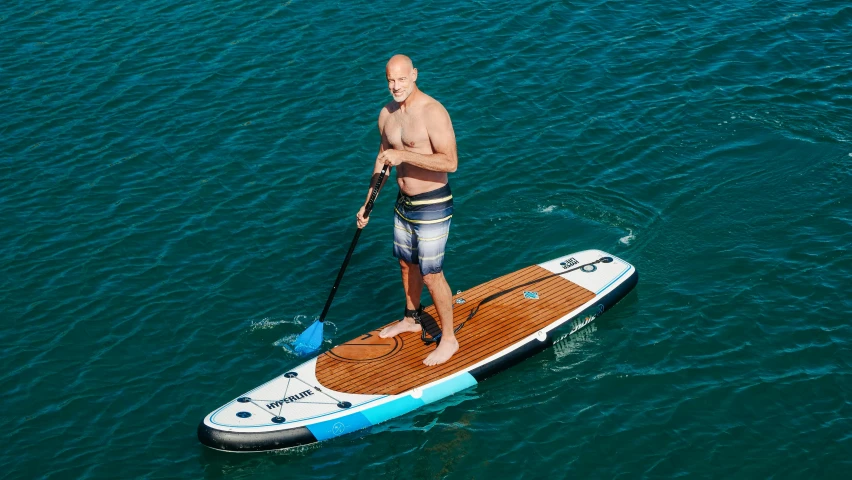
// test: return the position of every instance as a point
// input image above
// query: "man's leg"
(405, 250)
(443, 298)
(412, 283)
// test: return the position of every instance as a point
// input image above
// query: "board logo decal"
(290, 399)
(570, 262)
(586, 319)
(531, 295)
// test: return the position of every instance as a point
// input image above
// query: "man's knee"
(433, 279)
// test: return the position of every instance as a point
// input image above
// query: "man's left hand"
(391, 157)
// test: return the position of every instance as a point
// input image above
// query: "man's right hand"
(362, 222)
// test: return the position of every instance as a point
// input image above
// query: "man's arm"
(443, 139)
(377, 169)
(383, 145)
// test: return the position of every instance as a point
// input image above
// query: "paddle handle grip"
(367, 209)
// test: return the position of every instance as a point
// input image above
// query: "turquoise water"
(179, 185)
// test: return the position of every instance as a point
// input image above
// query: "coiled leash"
(431, 331)
(475, 310)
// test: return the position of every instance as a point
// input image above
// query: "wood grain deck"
(389, 366)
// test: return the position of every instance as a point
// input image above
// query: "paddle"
(310, 340)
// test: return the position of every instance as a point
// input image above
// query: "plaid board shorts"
(421, 225)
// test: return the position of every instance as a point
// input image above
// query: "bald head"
(401, 76)
(399, 61)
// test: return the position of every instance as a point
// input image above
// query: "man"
(417, 138)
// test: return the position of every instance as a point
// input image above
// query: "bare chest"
(404, 131)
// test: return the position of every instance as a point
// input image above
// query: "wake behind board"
(369, 379)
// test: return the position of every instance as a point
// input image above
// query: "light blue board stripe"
(445, 389)
(398, 407)
(333, 428)
(381, 413)
(613, 280)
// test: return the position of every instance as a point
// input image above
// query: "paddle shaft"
(367, 209)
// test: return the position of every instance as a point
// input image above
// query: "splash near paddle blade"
(310, 340)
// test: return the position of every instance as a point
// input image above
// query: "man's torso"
(406, 130)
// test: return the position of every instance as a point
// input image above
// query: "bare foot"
(445, 350)
(406, 325)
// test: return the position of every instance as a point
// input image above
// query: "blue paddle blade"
(310, 340)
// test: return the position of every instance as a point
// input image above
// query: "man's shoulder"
(432, 107)
(386, 112)
(428, 101)
(389, 108)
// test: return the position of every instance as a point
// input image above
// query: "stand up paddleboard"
(369, 379)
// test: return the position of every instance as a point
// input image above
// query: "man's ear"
(414, 75)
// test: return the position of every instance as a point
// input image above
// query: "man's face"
(401, 81)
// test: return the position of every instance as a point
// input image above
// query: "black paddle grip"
(369, 207)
